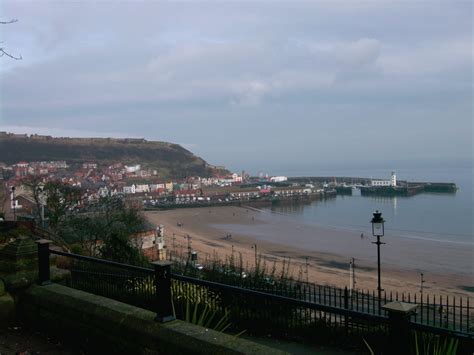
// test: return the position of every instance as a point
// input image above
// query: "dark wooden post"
(43, 262)
(164, 307)
(400, 339)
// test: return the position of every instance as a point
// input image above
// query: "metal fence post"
(346, 306)
(43, 262)
(400, 339)
(164, 306)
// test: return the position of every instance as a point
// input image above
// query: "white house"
(142, 188)
(278, 178)
(133, 168)
(236, 178)
(89, 165)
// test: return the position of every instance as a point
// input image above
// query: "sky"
(262, 86)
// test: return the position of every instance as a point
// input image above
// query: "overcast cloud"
(248, 85)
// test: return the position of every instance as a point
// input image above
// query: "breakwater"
(409, 189)
(435, 186)
(344, 186)
(329, 179)
(256, 202)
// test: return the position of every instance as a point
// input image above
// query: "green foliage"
(35, 185)
(232, 270)
(199, 305)
(117, 247)
(368, 347)
(60, 199)
(77, 249)
(106, 233)
(6, 236)
(202, 314)
(429, 344)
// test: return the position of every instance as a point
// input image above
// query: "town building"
(89, 165)
(278, 179)
(133, 168)
(151, 242)
(21, 169)
(386, 183)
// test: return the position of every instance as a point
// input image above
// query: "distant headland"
(170, 158)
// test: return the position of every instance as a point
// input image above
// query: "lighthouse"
(393, 179)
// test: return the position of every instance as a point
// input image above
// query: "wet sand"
(326, 251)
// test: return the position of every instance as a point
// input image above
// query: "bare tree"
(3, 51)
(35, 185)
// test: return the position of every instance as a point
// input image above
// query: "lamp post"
(352, 278)
(378, 231)
(306, 270)
(256, 255)
(422, 281)
(188, 237)
(14, 203)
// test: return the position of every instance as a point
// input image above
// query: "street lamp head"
(377, 224)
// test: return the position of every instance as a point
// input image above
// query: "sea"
(429, 232)
(444, 217)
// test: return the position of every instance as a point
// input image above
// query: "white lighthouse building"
(393, 179)
(392, 182)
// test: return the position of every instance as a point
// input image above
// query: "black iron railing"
(124, 283)
(302, 310)
(449, 312)
(453, 313)
(253, 310)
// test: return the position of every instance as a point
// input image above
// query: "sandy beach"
(325, 256)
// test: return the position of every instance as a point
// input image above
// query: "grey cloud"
(192, 72)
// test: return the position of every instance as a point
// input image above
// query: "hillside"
(168, 158)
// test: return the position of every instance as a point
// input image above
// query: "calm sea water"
(436, 216)
(429, 232)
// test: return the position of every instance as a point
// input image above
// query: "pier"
(409, 189)
(346, 185)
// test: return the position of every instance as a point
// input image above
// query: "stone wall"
(95, 322)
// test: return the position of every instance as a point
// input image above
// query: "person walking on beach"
(361, 235)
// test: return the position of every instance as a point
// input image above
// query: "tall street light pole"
(188, 237)
(378, 231)
(422, 281)
(256, 255)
